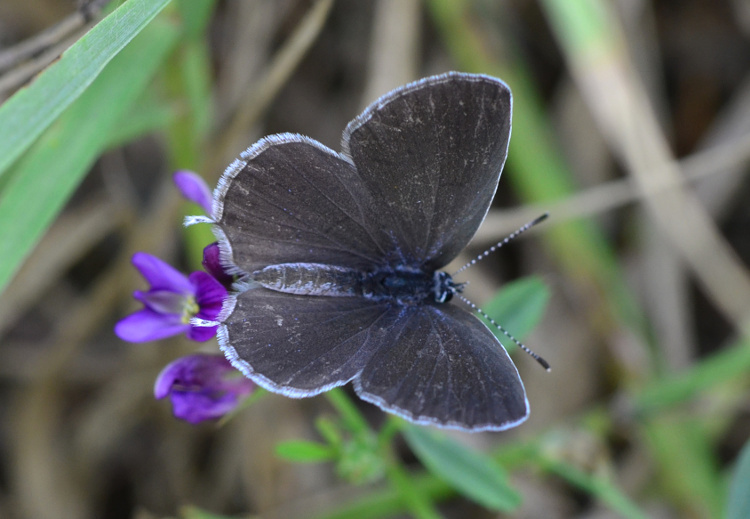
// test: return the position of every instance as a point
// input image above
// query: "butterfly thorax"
(405, 286)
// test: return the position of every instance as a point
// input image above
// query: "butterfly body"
(406, 286)
(400, 286)
(340, 257)
(312, 279)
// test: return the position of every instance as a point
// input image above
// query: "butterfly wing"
(443, 367)
(430, 154)
(431, 364)
(418, 171)
(290, 199)
(299, 345)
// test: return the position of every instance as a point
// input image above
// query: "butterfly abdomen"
(313, 279)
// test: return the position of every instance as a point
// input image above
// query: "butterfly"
(339, 255)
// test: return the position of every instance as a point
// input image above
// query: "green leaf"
(597, 485)
(731, 363)
(33, 109)
(191, 512)
(150, 114)
(684, 453)
(519, 306)
(418, 503)
(301, 451)
(360, 459)
(196, 14)
(350, 415)
(739, 493)
(330, 431)
(46, 177)
(471, 473)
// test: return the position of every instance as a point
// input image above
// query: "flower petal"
(161, 275)
(209, 294)
(198, 407)
(201, 387)
(147, 325)
(194, 188)
(201, 333)
(212, 264)
(192, 371)
(163, 301)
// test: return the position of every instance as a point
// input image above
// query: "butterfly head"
(444, 287)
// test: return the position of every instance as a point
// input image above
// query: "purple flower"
(213, 266)
(171, 301)
(202, 387)
(194, 188)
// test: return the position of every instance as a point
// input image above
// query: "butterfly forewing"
(290, 199)
(431, 155)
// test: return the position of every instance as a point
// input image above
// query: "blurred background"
(631, 126)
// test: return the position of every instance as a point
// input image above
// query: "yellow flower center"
(190, 309)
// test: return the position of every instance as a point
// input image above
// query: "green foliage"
(518, 307)
(192, 512)
(733, 363)
(682, 444)
(738, 506)
(43, 180)
(471, 473)
(599, 486)
(300, 451)
(350, 443)
(360, 459)
(32, 109)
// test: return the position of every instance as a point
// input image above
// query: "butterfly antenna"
(499, 244)
(518, 343)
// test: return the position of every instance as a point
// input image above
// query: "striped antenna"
(518, 343)
(503, 242)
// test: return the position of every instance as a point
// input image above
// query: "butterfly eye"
(444, 297)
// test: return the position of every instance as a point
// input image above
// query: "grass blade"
(45, 178)
(302, 451)
(475, 476)
(739, 497)
(519, 306)
(33, 109)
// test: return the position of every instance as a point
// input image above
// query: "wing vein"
(341, 343)
(327, 237)
(354, 199)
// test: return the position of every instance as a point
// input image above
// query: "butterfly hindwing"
(432, 365)
(300, 345)
(444, 367)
